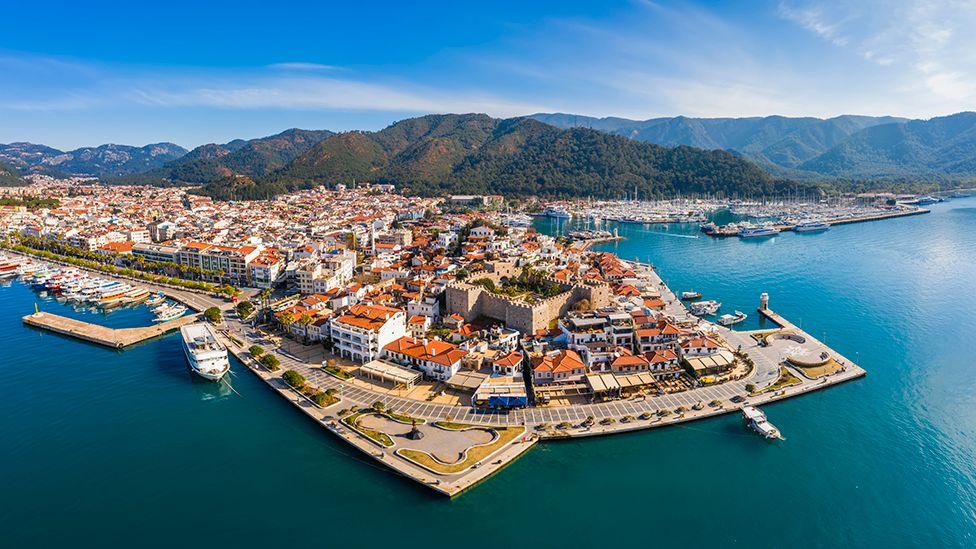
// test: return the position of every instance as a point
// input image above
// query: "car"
(737, 399)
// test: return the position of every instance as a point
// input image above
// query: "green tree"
(294, 379)
(256, 350)
(270, 362)
(212, 314)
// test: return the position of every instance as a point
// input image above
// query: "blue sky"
(85, 73)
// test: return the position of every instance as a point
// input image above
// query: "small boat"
(704, 308)
(172, 313)
(692, 294)
(756, 420)
(728, 320)
(156, 299)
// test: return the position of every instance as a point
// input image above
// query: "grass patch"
(403, 418)
(379, 437)
(831, 367)
(785, 379)
(337, 372)
(473, 455)
(453, 426)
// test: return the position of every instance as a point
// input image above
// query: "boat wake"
(672, 234)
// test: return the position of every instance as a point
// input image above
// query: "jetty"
(118, 338)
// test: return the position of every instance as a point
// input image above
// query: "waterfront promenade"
(540, 423)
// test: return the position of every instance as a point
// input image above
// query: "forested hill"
(213, 162)
(474, 153)
(10, 178)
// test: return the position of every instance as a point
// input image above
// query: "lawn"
(453, 426)
(785, 379)
(337, 372)
(831, 367)
(473, 455)
(379, 437)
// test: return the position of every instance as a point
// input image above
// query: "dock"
(117, 338)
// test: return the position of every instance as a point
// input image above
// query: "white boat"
(756, 232)
(558, 212)
(171, 313)
(207, 357)
(728, 320)
(756, 420)
(704, 308)
(692, 294)
(811, 227)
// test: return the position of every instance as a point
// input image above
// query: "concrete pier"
(118, 338)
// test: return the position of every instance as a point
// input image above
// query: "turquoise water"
(107, 448)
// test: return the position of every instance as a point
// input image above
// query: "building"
(559, 367)
(155, 252)
(364, 330)
(437, 359)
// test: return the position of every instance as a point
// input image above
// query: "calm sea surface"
(105, 448)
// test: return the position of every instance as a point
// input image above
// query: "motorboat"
(728, 320)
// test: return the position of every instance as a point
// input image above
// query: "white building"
(363, 332)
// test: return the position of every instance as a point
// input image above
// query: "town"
(446, 334)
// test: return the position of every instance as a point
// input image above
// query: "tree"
(294, 379)
(751, 388)
(270, 362)
(256, 350)
(212, 314)
(245, 308)
(379, 406)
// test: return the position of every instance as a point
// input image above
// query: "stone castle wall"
(471, 301)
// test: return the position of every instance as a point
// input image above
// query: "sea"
(106, 448)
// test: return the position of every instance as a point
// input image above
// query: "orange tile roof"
(431, 350)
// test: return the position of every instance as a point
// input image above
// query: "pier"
(118, 338)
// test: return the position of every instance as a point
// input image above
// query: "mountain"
(10, 178)
(940, 148)
(776, 142)
(473, 153)
(253, 158)
(102, 161)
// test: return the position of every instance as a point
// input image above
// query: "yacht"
(728, 320)
(8, 269)
(170, 313)
(692, 294)
(755, 232)
(811, 226)
(558, 212)
(756, 420)
(207, 357)
(704, 308)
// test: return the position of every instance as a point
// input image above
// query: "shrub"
(751, 388)
(379, 406)
(212, 314)
(256, 350)
(323, 399)
(245, 308)
(294, 379)
(271, 362)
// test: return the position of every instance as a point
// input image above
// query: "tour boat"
(114, 295)
(156, 299)
(811, 227)
(756, 420)
(728, 320)
(136, 295)
(8, 269)
(704, 308)
(691, 295)
(755, 232)
(207, 357)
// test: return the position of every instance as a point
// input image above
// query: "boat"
(136, 295)
(927, 200)
(9, 269)
(692, 294)
(704, 308)
(558, 212)
(756, 420)
(156, 299)
(728, 320)
(206, 355)
(171, 313)
(756, 232)
(811, 227)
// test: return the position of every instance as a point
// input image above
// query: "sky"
(84, 73)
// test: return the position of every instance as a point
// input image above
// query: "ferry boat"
(756, 420)
(207, 357)
(692, 294)
(756, 232)
(558, 212)
(704, 308)
(728, 320)
(811, 227)
(927, 200)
